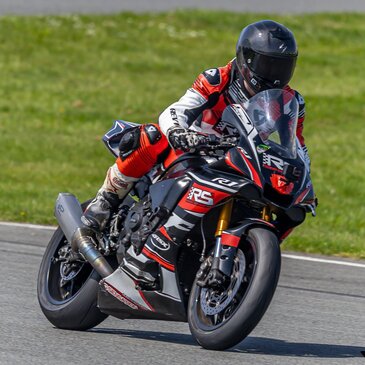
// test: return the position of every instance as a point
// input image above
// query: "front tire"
(218, 323)
(68, 304)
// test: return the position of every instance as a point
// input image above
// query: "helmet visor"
(275, 70)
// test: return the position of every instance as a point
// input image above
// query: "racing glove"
(185, 139)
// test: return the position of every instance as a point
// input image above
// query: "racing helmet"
(266, 54)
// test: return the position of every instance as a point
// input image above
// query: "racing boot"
(115, 188)
(96, 216)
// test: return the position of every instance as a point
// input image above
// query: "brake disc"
(213, 301)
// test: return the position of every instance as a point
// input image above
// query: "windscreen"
(274, 113)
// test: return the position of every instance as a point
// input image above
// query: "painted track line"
(28, 225)
(288, 256)
(324, 261)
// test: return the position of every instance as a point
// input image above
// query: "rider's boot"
(116, 186)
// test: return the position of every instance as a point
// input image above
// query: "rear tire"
(261, 265)
(74, 305)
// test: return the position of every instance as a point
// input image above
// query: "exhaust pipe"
(68, 213)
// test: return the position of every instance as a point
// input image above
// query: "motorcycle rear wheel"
(68, 304)
(218, 323)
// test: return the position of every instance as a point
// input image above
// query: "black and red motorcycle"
(197, 241)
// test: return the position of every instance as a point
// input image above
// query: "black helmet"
(266, 54)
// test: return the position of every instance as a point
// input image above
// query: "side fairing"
(206, 190)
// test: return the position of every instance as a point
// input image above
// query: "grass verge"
(64, 79)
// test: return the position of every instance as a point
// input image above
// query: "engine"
(140, 222)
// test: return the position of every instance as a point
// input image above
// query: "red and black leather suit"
(199, 109)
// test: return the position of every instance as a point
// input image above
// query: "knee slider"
(129, 142)
(153, 133)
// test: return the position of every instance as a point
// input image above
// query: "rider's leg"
(140, 149)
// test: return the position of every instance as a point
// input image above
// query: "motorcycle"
(197, 241)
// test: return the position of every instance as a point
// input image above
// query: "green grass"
(63, 80)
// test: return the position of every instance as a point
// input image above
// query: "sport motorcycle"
(197, 240)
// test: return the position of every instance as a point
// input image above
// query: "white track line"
(288, 256)
(27, 225)
(325, 261)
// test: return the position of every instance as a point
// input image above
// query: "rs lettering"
(201, 196)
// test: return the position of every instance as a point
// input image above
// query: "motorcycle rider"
(266, 54)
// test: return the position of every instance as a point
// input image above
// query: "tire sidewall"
(78, 313)
(255, 302)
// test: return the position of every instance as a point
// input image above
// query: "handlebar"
(211, 142)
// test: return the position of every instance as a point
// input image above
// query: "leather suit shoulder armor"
(213, 81)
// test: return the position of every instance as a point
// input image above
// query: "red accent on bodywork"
(230, 240)
(189, 204)
(159, 259)
(122, 297)
(230, 163)
(146, 301)
(164, 233)
(286, 234)
(302, 195)
(281, 184)
(255, 175)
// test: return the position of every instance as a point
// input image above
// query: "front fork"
(266, 213)
(223, 258)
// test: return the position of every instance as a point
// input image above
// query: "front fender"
(232, 236)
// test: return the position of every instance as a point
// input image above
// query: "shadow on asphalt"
(177, 338)
(251, 345)
(270, 346)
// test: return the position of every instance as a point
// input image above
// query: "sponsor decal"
(211, 72)
(253, 81)
(173, 115)
(151, 129)
(200, 197)
(261, 148)
(119, 296)
(272, 162)
(242, 115)
(212, 76)
(160, 243)
(60, 208)
(224, 182)
(224, 128)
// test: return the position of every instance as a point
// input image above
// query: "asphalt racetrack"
(111, 6)
(317, 316)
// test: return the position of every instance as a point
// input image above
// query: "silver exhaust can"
(68, 213)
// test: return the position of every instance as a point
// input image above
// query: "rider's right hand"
(185, 139)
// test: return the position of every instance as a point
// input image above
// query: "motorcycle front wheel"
(220, 319)
(67, 293)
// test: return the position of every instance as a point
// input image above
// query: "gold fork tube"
(266, 214)
(224, 218)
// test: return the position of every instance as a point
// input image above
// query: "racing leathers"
(201, 107)
(199, 110)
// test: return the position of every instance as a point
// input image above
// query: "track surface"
(112, 6)
(317, 317)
